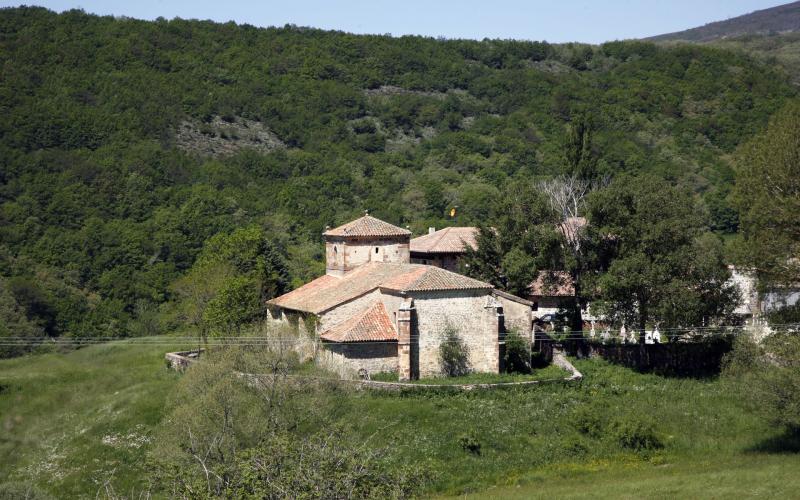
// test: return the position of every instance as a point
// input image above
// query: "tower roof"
(367, 226)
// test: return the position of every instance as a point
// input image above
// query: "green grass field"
(746, 476)
(72, 421)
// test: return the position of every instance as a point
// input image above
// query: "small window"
(335, 251)
(376, 249)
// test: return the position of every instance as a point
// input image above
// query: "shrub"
(470, 443)
(453, 354)
(767, 376)
(322, 466)
(518, 354)
(588, 421)
(575, 446)
(785, 315)
(229, 436)
(636, 435)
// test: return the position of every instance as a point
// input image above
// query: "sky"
(592, 21)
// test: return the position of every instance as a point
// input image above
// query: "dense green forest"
(112, 204)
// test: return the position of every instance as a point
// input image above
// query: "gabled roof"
(328, 291)
(447, 240)
(552, 284)
(370, 325)
(436, 278)
(367, 226)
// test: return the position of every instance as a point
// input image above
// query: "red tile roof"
(447, 240)
(370, 325)
(367, 226)
(436, 278)
(328, 291)
(552, 284)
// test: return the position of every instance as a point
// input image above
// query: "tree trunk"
(576, 320)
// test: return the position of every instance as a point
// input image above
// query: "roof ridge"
(443, 232)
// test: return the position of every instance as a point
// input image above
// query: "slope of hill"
(780, 19)
(781, 50)
(106, 197)
(113, 401)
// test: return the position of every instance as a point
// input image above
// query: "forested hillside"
(128, 149)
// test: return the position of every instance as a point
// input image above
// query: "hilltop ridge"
(780, 19)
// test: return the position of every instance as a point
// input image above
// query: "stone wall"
(443, 260)
(517, 313)
(468, 313)
(676, 359)
(344, 255)
(346, 359)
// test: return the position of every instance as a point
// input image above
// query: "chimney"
(404, 357)
(431, 230)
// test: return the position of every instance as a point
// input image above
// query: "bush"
(230, 436)
(588, 421)
(767, 377)
(636, 435)
(785, 315)
(517, 358)
(323, 466)
(470, 443)
(453, 354)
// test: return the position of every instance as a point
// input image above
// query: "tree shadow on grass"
(787, 442)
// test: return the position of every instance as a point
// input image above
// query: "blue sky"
(552, 20)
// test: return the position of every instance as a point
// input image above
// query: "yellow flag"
(452, 212)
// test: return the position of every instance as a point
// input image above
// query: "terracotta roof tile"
(371, 324)
(439, 279)
(447, 240)
(552, 284)
(327, 291)
(405, 279)
(367, 226)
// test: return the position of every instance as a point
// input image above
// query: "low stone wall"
(558, 359)
(698, 359)
(181, 360)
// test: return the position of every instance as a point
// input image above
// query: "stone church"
(374, 310)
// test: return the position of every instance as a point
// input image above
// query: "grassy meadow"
(71, 422)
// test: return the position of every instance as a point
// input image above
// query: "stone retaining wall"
(181, 360)
(675, 359)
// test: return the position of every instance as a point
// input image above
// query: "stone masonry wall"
(445, 261)
(346, 359)
(475, 323)
(518, 316)
(341, 255)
